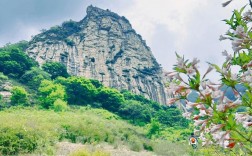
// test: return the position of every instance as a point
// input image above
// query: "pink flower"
(240, 117)
(240, 31)
(234, 77)
(180, 62)
(247, 15)
(190, 70)
(187, 115)
(206, 143)
(200, 106)
(217, 94)
(202, 113)
(206, 91)
(246, 124)
(237, 102)
(190, 105)
(237, 44)
(215, 128)
(171, 101)
(228, 56)
(195, 61)
(221, 138)
(221, 107)
(199, 122)
(222, 38)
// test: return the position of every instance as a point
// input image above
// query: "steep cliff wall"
(102, 46)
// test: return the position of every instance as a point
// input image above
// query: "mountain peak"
(105, 47)
(95, 11)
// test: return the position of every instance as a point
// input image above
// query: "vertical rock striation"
(102, 46)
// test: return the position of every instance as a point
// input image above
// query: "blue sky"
(190, 27)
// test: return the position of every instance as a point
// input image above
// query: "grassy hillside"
(48, 107)
(40, 130)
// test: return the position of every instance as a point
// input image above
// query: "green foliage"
(59, 105)
(33, 77)
(55, 69)
(58, 33)
(14, 62)
(19, 96)
(80, 91)
(154, 128)
(2, 102)
(96, 83)
(69, 42)
(22, 45)
(135, 111)
(17, 141)
(111, 99)
(3, 77)
(171, 117)
(50, 92)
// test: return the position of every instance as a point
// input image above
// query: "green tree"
(135, 111)
(50, 92)
(171, 117)
(55, 69)
(59, 105)
(154, 128)
(80, 91)
(14, 62)
(33, 77)
(111, 99)
(19, 96)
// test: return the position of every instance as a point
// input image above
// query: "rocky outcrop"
(5, 90)
(102, 46)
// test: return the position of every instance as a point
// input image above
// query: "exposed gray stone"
(104, 47)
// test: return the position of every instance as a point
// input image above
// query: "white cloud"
(191, 27)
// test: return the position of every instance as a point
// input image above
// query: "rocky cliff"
(102, 46)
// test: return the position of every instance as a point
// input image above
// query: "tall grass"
(83, 125)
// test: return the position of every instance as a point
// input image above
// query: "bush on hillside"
(19, 96)
(49, 92)
(80, 91)
(17, 141)
(135, 111)
(33, 77)
(55, 69)
(14, 62)
(59, 105)
(111, 99)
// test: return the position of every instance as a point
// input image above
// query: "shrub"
(3, 77)
(49, 92)
(59, 105)
(135, 111)
(80, 91)
(33, 77)
(55, 69)
(14, 62)
(154, 129)
(15, 141)
(111, 99)
(19, 96)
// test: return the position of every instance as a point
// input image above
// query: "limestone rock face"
(5, 90)
(102, 46)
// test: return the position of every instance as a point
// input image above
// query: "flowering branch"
(218, 118)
